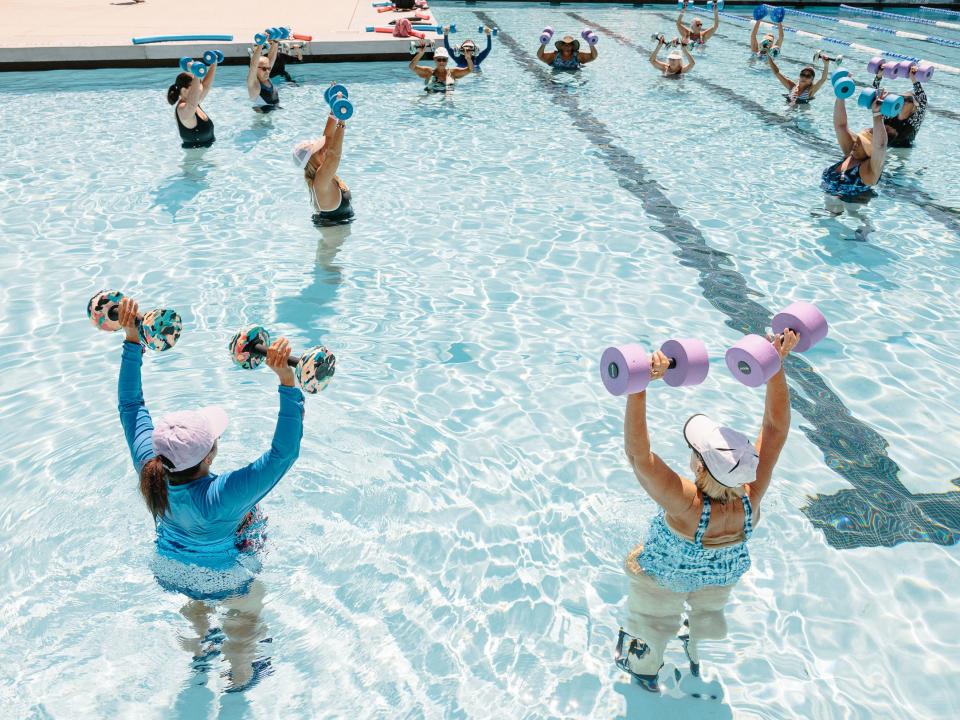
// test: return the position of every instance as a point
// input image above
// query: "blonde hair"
(717, 491)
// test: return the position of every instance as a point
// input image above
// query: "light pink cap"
(303, 151)
(187, 436)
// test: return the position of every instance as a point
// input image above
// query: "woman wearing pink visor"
(696, 549)
(208, 525)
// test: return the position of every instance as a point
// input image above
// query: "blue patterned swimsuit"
(844, 185)
(572, 64)
(684, 566)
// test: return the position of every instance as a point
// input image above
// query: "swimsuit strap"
(747, 518)
(704, 521)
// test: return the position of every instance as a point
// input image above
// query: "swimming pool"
(450, 543)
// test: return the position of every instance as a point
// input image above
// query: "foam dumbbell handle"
(314, 369)
(804, 319)
(902, 69)
(759, 12)
(753, 361)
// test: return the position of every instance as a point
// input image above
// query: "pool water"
(450, 542)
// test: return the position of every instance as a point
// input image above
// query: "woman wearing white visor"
(696, 548)
(320, 159)
(674, 66)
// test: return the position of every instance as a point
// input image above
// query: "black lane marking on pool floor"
(947, 216)
(879, 510)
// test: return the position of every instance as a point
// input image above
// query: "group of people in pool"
(695, 551)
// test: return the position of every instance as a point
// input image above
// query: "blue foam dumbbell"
(260, 38)
(777, 14)
(336, 97)
(330, 94)
(759, 12)
(493, 31)
(890, 106)
(843, 84)
(210, 57)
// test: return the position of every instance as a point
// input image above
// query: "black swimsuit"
(268, 98)
(342, 215)
(200, 136)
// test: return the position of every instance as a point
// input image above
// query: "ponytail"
(154, 477)
(184, 80)
(153, 486)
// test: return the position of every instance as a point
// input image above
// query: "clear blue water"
(450, 543)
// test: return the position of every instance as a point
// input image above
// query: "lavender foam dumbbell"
(545, 35)
(625, 369)
(589, 36)
(753, 360)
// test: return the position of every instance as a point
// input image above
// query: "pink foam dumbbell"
(903, 69)
(924, 72)
(753, 360)
(625, 369)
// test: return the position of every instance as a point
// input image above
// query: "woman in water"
(187, 92)
(203, 520)
(696, 548)
(468, 46)
(440, 78)
(319, 160)
(763, 47)
(851, 179)
(902, 129)
(803, 90)
(567, 55)
(263, 92)
(695, 34)
(674, 66)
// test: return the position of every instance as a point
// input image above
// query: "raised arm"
(844, 136)
(208, 82)
(754, 45)
(420, 70)
(785, 81)
(661, 483)
(919, 97)
(716, 22)
(462, 72)
(134, 416)
(545, 56)
(486, 51)
(446, 40)
(274, 49)
(776, 419)
(823, 78)
(879, 152)
(235, 493)
(331, 163)
(682, 29)
(779, 42)
(253, 85)
(662, 66)
(690, 61)
(584, 58)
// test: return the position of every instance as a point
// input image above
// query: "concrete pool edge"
(99, 36)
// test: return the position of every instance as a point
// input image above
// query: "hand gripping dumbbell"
(314, 369)
(625, 369)
(336, 97)
(774, 52)
(821, 55)
(660, 37)
(493, 31)
(753, 360)
(415, 45)
(843, 84)
(197, 68)
(890, 105)
(589, 36)
(718, 3)
(159, 329)
(546, 35)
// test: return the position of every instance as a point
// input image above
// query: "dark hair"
(153, 482)
(184, 80)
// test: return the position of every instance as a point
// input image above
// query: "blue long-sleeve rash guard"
(461, 61)
(201, 523)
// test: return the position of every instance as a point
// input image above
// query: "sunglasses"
(440, 60)
(806, 74)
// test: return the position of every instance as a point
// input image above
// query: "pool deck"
(49, 34)
(52, 34)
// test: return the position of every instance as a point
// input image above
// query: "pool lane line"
(947, 216)
(931, 110)
(840, 41)
(902, 18)
(869, 513)
(940, 11)
(873, 28)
